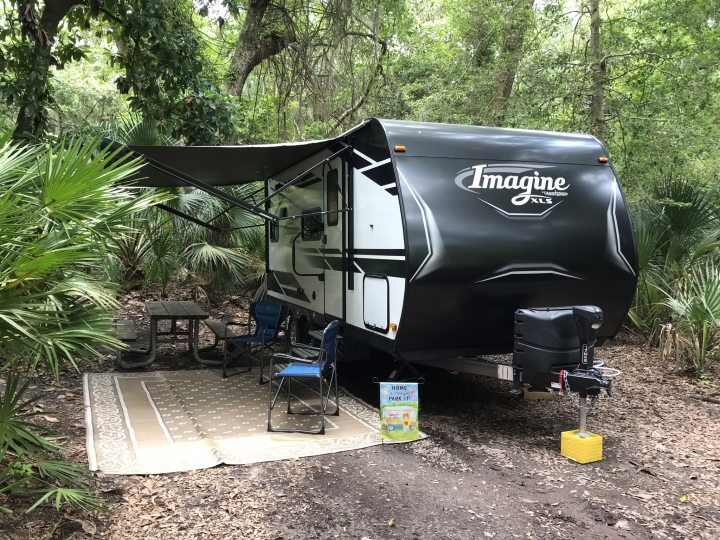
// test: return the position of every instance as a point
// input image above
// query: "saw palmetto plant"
(231, 259)
(162, 243)
(677, 232)
(695, 301)
(61, 206)
(30, 456)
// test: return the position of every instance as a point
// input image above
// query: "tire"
(297, 332)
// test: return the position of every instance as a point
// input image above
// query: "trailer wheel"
(297, 331)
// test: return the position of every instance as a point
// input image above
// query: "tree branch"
(377, 71)
(111, 15)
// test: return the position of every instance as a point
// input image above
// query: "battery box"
(546, 341)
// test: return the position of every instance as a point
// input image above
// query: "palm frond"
(70, 474)
(132, 129)
(80, 498)
(18, 433)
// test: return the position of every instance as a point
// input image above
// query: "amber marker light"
(603, 159)
(400, 148)
(393, 327)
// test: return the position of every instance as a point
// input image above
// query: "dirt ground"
(490, 467)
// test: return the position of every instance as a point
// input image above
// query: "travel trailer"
(424, 239)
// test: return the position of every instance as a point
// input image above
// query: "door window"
(312, 226)
(332, 197)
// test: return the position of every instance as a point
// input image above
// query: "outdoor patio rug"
(164, 421)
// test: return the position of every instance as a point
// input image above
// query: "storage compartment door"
(376, 302)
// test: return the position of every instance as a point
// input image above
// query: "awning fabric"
(228, 165)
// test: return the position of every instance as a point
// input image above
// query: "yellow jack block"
(527, 394)
(581, 449)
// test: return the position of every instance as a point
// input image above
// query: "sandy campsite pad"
(161, 422)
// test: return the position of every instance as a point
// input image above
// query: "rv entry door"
(333, 239)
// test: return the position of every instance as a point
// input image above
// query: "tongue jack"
(587, 319)
(581, 445)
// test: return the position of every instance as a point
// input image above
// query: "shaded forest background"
(640, 75)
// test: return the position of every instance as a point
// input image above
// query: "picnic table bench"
(159, 311)
(125, 330)
(219, 328)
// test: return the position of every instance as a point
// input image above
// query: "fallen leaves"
(622, 524)
(89, 527)
(642, 496)
(657, 454)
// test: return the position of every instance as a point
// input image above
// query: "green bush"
(677, 302)
(60, 208)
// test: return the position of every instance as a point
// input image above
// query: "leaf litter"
(491, 467)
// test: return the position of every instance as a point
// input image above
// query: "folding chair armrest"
(289, 358)
(303, 346)
(280, 328)
(320, 360)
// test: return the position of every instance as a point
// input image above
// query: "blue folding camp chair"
(269, 318)
(321, 368)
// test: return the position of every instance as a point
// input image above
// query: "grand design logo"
(530, 189)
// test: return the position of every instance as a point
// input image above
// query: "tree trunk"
(251, 48)
(516, 27)
(598, 70)
(32, 113)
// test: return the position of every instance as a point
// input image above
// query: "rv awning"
(232, 165)
(209, 167)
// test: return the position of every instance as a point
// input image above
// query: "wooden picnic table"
(174, 312)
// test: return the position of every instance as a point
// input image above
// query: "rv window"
(275, 227)
(312, 227)
(332, 197)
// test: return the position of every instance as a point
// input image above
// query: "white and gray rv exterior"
(424, 239)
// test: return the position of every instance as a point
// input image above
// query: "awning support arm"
(253, 209)
(302, 174)
(309, 214)
(189, 218)
(251, 196)
(207, 225)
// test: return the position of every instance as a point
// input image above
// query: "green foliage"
(61, 206)
(132, 129)
(18, 433)
(677, 233)
(86, 96)
(234, 259)
(154, 43)
(29, 456)
(157, 245)
(58, 209)
(209, 117)
(695, 301)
